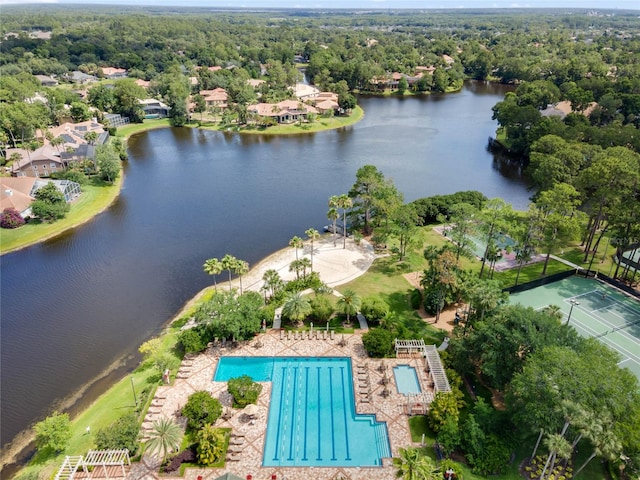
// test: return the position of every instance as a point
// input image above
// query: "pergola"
(409, 347)
(109, 460)
(435, 369)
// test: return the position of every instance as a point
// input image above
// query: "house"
(287, 111)
(154, 108)
(73, 134)
(562, 109)
(217, 97)
(47, 81)
(255, 82)
(115, 120)
(19, 192)
(82, 78)
(325, 102)
(41, 162)
(48, 159)
(15, 193)
(114, 73)
(142, 83)
(304, 92)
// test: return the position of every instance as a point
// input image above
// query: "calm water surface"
(74, 305)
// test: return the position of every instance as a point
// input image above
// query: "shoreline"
(17, 452)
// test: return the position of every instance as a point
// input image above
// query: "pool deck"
(196, 374)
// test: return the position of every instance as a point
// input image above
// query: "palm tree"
(349, 303)
(213, 267)
(228, 263)
(272, 281)
(165, 436)
(345, 203)
(296, 266)
(410, 465)
(333, 215)
(296, 242)
(313, 234)
(604, 441)
(240, 267)
(304, 264)
(558, 447)
(296, 307)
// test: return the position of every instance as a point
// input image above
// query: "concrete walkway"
(566, 262)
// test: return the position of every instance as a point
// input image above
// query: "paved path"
(566, 262)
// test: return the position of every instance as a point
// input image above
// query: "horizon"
(604, 5)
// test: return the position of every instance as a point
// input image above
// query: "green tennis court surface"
(599, 311)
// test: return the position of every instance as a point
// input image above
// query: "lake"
(76, 307)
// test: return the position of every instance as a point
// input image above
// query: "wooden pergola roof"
(436, 370)
(107, 459)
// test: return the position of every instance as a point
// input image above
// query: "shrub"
(211, 443)
(321, 308)
(10, 218)
(185, 456)
(192, 341)
(244, 390)
(416, 298)
(374, 308)
(378, 342)
(54, 432)
(201, 408)
(123, 433)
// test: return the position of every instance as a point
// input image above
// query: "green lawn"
(150, 124)
(93, 200)
(110, 406)
(319, 125)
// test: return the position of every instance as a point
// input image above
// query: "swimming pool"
(312, 419)
(406, 379)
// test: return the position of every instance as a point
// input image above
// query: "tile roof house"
(142, 83)
(562, 109)
(15, 193)
(217, 97)
(48, 159)
(287, 111)
(255, 82)
(112, 72)
(19, 192)
(41, 162)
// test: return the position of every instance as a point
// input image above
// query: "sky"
(364, 4)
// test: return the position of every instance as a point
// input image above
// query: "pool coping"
(197, 372)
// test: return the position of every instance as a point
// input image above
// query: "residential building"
(217, 97)
(287, 111)
(47, 81)
(114, 73)
(19, 192)
(154, 108)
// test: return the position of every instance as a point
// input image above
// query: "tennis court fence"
(523, 287)
(611, 281)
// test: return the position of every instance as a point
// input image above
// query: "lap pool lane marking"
(306, 411)
(275, 458)
(319, 458)
(293, 419)
(333, 440)
(344, 412)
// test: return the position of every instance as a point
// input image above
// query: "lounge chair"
(235, 449)
(332, 334)
(236, 441)
(281, 334)
(234, 457)
(289, 335)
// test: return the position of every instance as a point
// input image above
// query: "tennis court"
(597, 310)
